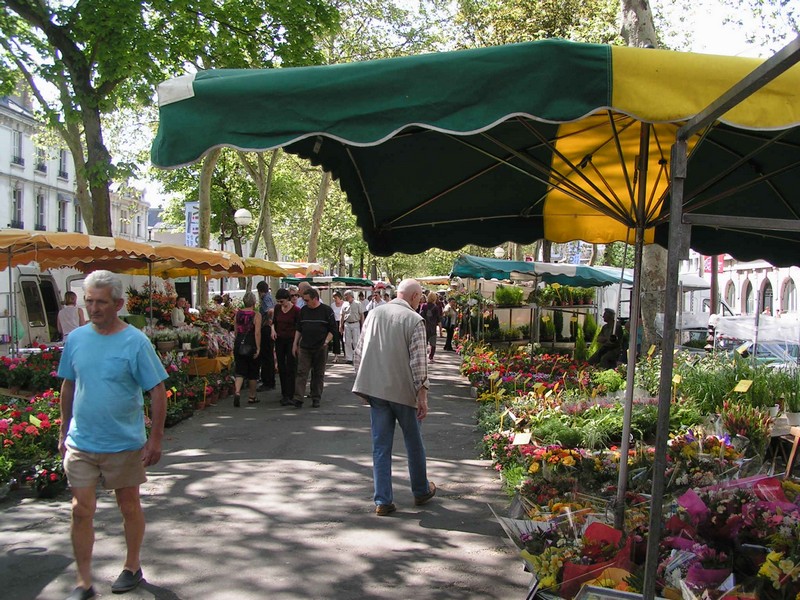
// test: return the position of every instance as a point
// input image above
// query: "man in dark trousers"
(267, 355)
(315, 329)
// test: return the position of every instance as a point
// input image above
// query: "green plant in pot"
(506, 295)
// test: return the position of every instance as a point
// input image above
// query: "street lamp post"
(348, 261)
(499, 252)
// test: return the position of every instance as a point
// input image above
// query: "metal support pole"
(633, 324)
(678, 240)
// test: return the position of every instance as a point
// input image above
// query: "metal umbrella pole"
(12, 311)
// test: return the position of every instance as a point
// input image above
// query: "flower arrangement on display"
(162, 301)
(47, 478)
(34, 372)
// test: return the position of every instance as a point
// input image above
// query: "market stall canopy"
(577, 275)
(514, 143)
(330, 281)
(434, 280)
(55, 248)
(163, 260)
(304, 268)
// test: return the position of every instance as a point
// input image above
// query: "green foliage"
(507, 295)
(615, 254)
(608, 381)
(513, 476)
(589, 326)
(580, 345)
(554, 431)
(558, 323)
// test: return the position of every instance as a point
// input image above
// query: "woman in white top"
(70, 316)
(178, 316)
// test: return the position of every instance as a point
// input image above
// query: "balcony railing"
(16, 224)
(17, 160)
(62, 229)
(63, 174)
(39, 227)
(41, 167)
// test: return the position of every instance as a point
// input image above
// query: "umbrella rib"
(580, 194)
(363, 187)
(464, 220)
(741, 160)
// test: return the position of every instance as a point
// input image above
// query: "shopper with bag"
(246, 348)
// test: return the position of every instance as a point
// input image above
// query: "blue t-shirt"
(110, 372)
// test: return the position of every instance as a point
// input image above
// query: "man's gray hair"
(104, 279)
(348, 293)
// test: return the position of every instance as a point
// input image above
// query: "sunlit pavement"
(268, 502)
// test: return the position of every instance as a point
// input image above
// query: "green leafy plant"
(589, 327)
(506, 295)
(608, 381)
(580, 345)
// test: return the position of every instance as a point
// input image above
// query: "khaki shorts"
(116, 470)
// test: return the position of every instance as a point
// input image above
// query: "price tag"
(522, 439)
(494, 375)
(34, 421)
(574, 319)
(651, 350)
(545, 319)
(676, 379)
(743, 386)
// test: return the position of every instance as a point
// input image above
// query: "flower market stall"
(552, 427)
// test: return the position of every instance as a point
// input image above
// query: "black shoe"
(287, 402)
(349, 362)
(126, 581)
(297, 403)
(315, 404)
(236, 400)
(81, 594)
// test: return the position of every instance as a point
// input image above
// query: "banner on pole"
(192, 224)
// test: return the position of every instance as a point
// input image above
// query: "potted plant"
(164, 339)
(508, 295)
(48, 478)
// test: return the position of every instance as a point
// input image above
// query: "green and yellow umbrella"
(549, 139)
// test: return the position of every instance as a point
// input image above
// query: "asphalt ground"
(267, 502)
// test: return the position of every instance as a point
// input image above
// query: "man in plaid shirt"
(392, 377)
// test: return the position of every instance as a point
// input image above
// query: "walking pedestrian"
(284, 325)
(352, 321)
(336, 343)
(432, 314)
(105, 368)
(246, 348)
(266, 308)
(449, 322)
(392, 377)
(315, 329)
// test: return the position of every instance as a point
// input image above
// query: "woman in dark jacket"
(247, 347)
(284, 325)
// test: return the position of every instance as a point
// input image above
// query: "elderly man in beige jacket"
(392, 377)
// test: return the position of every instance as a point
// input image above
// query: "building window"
(78, 219)
(16, 148)
(766, 299)
(789, 297)
(16, 208)
(62, 165)
(748, 299)
(41, 223)
(139, 226)
(41, 160)
(123, 222)
(730, 294)
(62, 212)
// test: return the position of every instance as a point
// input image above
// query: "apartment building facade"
(37, 184)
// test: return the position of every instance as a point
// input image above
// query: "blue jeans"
(383, 416)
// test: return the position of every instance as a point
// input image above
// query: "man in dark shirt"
(267, 355)
(315, 329)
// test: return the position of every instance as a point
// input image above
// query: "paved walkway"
(265, 502)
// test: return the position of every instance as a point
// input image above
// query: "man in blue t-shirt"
(106, 364)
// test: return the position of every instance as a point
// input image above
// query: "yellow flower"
(568, 461)
(534, 468)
